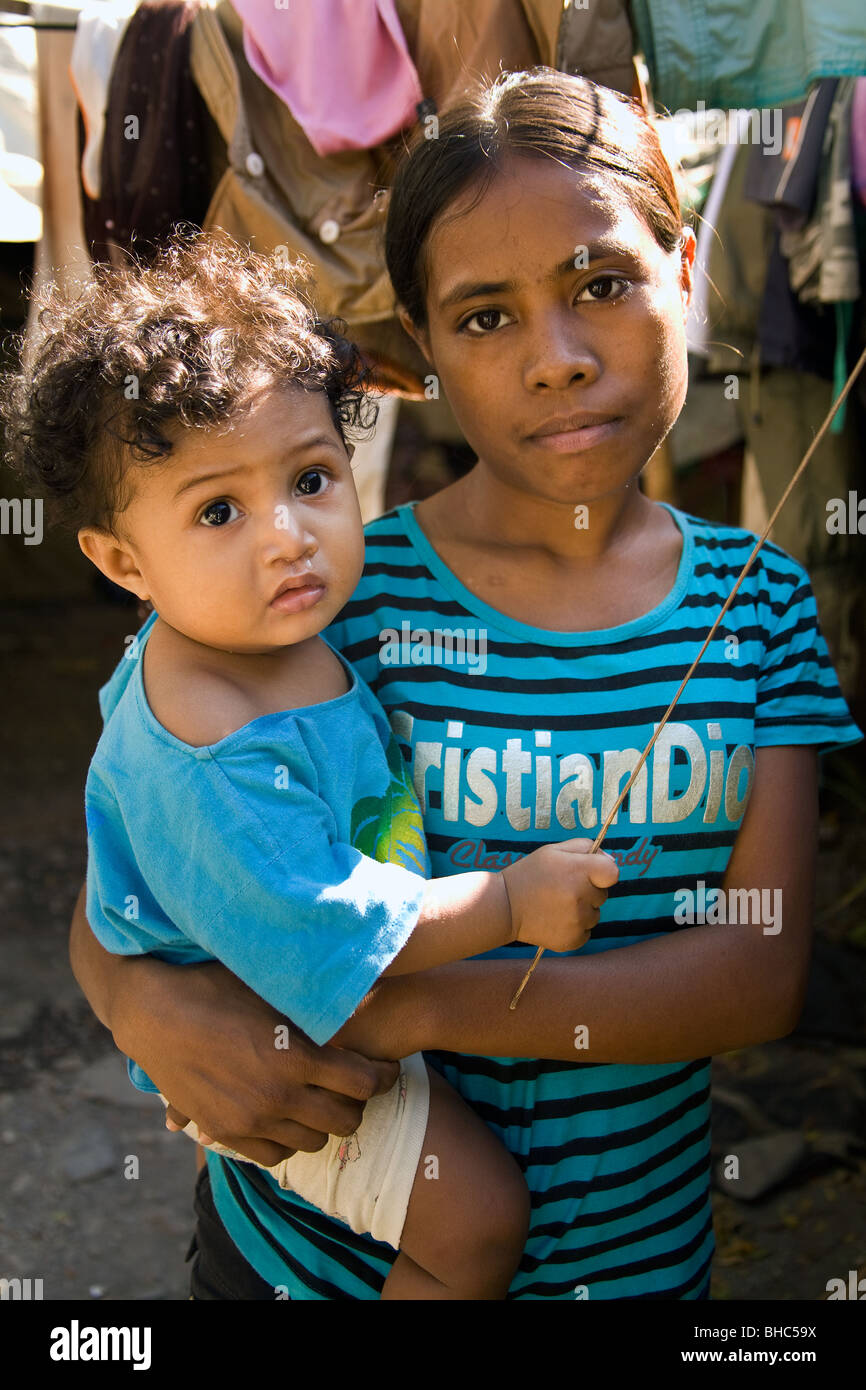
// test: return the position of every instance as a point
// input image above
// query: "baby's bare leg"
(466, 1226)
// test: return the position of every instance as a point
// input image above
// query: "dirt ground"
(95, 1196)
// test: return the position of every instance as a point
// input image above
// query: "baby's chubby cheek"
(347, 563)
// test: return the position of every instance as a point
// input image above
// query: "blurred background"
(118, 120)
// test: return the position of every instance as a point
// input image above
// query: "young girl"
(247, 801)
(539, 255)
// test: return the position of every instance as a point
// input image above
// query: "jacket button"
(329, 231)
(255, 164)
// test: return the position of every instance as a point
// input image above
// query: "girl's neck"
(526, 559)
(483, 511)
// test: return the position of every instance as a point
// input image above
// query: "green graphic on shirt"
(389, 828)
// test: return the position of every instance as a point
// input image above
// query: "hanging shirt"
(729, 53)
(99, 33)
(341, 66)
(858, 139)
(154, 165)
(517, 736)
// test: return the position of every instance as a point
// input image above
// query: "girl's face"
(556, 324)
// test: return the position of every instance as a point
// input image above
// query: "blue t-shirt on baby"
(292, 850)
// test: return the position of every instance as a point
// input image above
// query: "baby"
(247, 801)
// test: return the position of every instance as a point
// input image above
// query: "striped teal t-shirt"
(516, 736)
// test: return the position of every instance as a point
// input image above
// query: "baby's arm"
(550, 898)
(251, 874)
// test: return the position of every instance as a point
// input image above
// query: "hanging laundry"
(154, 169)
(20, 168)
(779, 353)
(596, 41)
(453, 44)
(341, 66)
(809, 187)
(275, 190)
(791, 333)
(271, 189)
(98, 35)
(822, 255)
(353, 72)
(729, 53)
(858, 140)
(785, 179)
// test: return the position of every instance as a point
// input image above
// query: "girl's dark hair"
(183, 342)
(540, 113)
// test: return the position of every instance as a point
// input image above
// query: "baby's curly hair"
(146, 349)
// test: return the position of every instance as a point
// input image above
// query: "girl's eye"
(311, 482)
(217, 513)
(486, 319)
(603, 283)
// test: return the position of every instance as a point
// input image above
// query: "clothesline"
(33, 24)
(18, 14)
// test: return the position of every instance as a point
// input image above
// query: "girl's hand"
(557, 892)
(226, 1065)
(222, 1056)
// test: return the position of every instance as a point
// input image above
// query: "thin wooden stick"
(667, 714)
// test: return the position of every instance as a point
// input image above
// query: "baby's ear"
(114, 559)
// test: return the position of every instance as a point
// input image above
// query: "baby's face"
(233, 517)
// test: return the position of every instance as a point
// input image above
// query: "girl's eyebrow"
(602, 249)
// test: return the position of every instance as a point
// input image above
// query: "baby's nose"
(285, 538)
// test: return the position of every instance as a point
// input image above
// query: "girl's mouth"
(575, 440)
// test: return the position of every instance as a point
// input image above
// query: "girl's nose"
(559, 356)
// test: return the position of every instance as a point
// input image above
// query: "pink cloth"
(342, 67)
(858, 139)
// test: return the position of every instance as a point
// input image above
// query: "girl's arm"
(699, 991)
(210, 1044)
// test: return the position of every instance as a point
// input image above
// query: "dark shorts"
(219, 1270)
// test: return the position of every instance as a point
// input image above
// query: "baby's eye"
(311, 482)
(486, 320)
(217, 513)
(603, 283)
